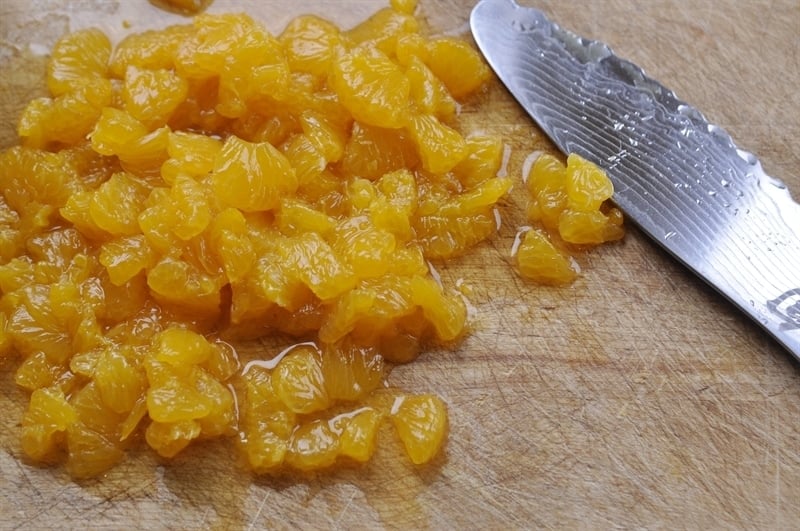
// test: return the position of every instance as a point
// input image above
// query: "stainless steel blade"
(680, 179)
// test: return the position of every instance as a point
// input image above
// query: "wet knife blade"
(679, 178)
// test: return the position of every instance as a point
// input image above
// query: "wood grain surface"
(636, 397)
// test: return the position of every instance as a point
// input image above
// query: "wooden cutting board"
(637, 397)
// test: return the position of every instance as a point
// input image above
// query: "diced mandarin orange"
(263, 449)
(310, 43)
(440, 147)
(358, 438)
(392, 210)
(11, 243)
(382, 30)
(223, 363)
(323, 104)
(190, 154)
(59, 246)
(371, 152)
(90, 453)
(152, 49)
(48, 416)
(168, 439)
(126, 257)
(587, 185)
(37, 371)
(260, 402)
(180, 283)
(157, 220)
(479, 199)
(83, 363)
(139, 326)
(265, 425)
(547, 186)
(546, 173)
(247, 58)
(119, 378)
(134, 418)
(325, 193)
(349, 371)
(410, 46)
(345, 314)
(181, 347)
(252, 177)
(421, 423)
(483, 161)
(116, 204)
(399, 188)
(373, 88)
(404, 6)
(15, 275)
(172, 395)
(66, 119)
(91, 167)
(538, 259)
(409, 261)
(33, 326)
(458, 65)
(62, 298)
(324, 134)
(275, 126)
(318, 267)
(229, 240)
(198, 111)
(271, 284)
(93, 413)
(116, 131)
(145, 157)
(447, 313)
(151, 96)
(296, 217)
(587, 227)
(312, 446)
(76, 211)
(298, 381)
(32, 123)
(221, 420)
(443, 237)
(201, 54)
(428, 93)
(305, 157)
(361, 193)
(246, 82)
(125, 300)
(32, 178)
(76, 59)
(191, 204)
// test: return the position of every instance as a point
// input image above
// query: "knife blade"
(680, 179)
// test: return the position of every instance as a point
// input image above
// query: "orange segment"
(539, 260)
(421, 424)
(373, 88)
(78, 58)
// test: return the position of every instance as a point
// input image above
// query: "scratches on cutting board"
(261, 505)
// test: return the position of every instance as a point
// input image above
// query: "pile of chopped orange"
(570, 206)
(212, 181)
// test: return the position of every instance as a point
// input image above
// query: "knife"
(680, 179)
